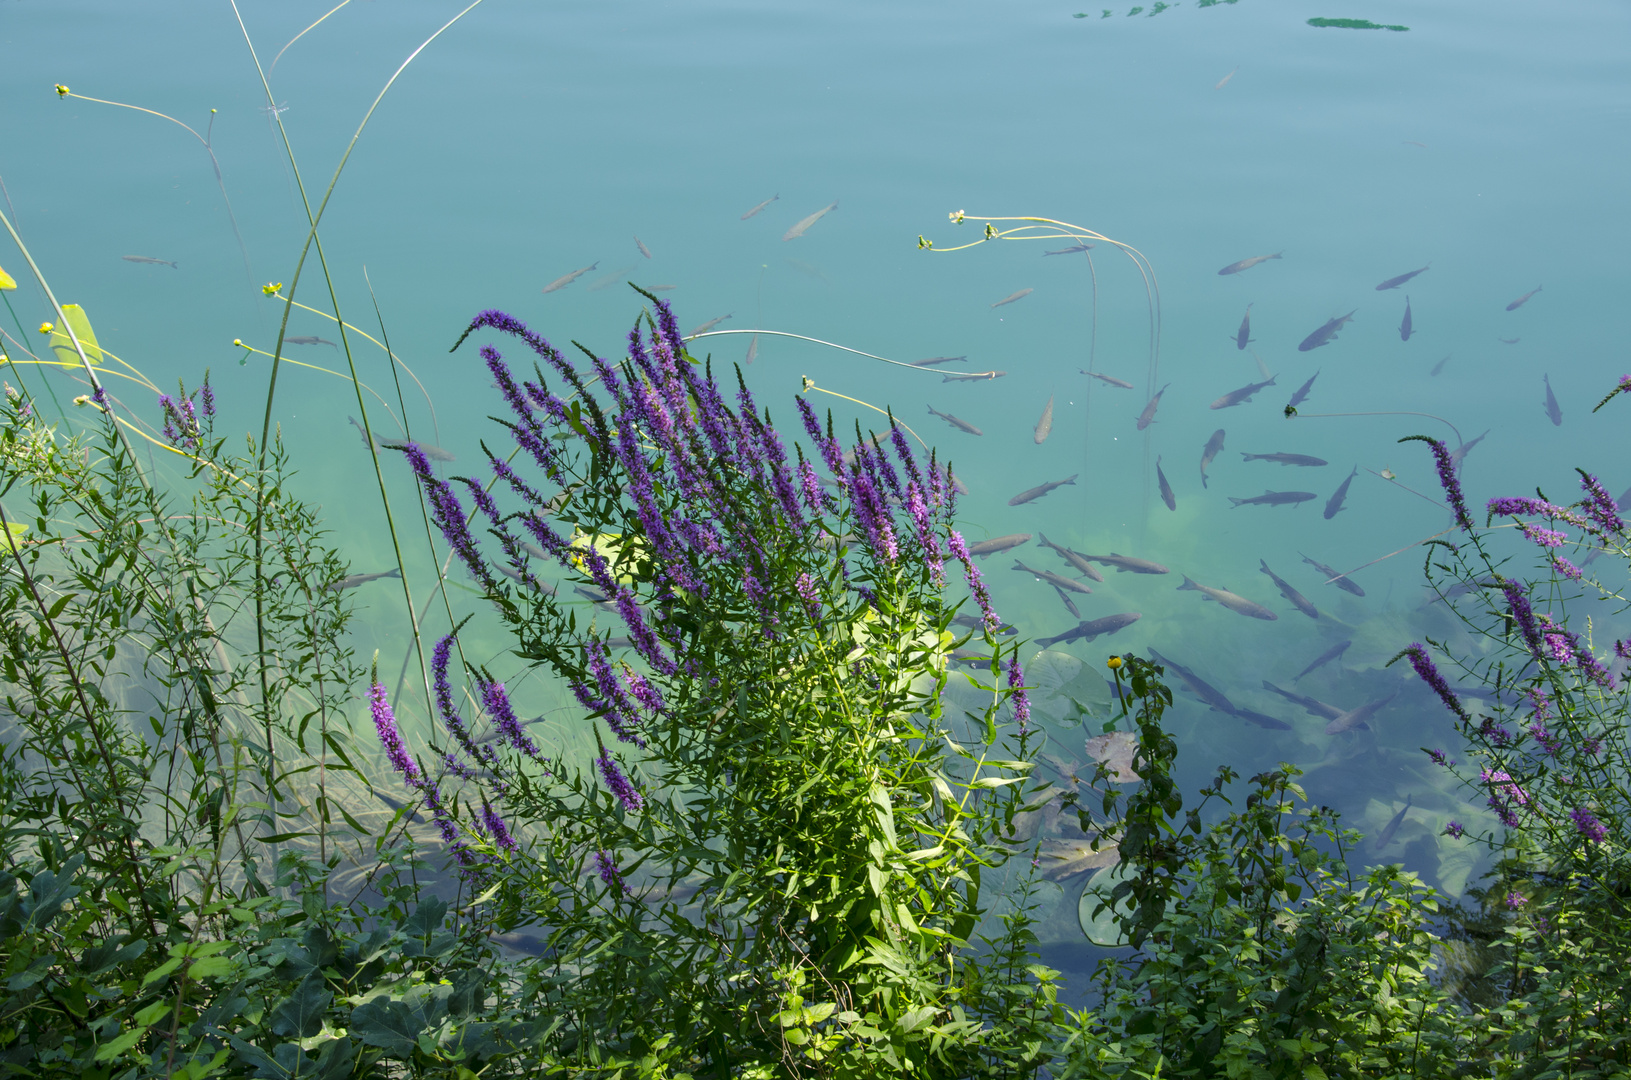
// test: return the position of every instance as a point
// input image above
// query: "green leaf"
(387, 1024)
(1354, 24)
(300, 1016)
(76, 320)
(120, 1045)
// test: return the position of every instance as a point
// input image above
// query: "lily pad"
(1060, 860)
(1103, 928)
(1066, 690)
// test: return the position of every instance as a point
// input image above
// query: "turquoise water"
(1486, 141)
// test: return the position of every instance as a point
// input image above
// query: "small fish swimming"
(643, 249)
(1237, 604)
(1044, 425)
(760, 207)
(1077, 561)
(998, 544)
(1197, 686)
(974, 376)
(1235, 397)
(1213, 446)
(1087, 631)
(1243, 336)
(1073, 249)
(1302, 391)
(1524, 299)
(960, 425)
(1128, 564)
(1460, 452)
(753, 349)
(309, 340)
(567, 279)
(1341, 581)
(1274, 498)
(1166, 489)
(1247, 264)
(1298, 600)
(1287, 459)
(1112, 380)
(1147, 417)
(1395, 282)
(1508, 340)
(1312, 706)
(1385, 837)
(1333, 505)
(1225, 80)
(1022, 294)
(934, 361)
(1325, 334)
(1357, 717)
(974, 622)
(1407, 326)
(1325, 657)
(798, 230)
(709, 325)
(1058, 581)
(149, 261)
(1552, 410)
(353, 580)
(433, 453)
(660, 288)
(1438, 367)
(1070, 605)
(602, 283)
(1040, 490)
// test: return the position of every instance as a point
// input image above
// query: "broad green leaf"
(120, 1045)
(75, 320)
(387, 1024)
(300, 1015)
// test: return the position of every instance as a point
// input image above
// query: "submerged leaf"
(77, 321)
(1116, 750)
(1063, 859)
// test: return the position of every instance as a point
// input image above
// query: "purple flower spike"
(608, 871)
(207, 396)
(497, 703)
(391, 738)
(1600, 506)
(1566, 568)
(1429, 675)
(1523, 614)
(496, 828)
(1586, 822)
(622, 789)
(976, 584)
(1454, 830)
(1447, 479)
(1022, 701)
(1440, 759)
(1560, 647)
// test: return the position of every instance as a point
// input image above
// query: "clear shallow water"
(529, 141)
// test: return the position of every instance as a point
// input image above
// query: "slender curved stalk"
(809, 385)
(818, 341)
(303, 33)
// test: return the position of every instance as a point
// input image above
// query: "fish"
(998, 544)
(1287, 459)
(1274, 498)
(1262, 720)
(309, 340)
(1312, 706)
(1460, 452)
(1407, 325)
(1552, 410)
(1333, 505)
(1127, 564)
(149, 261)
(1302, 391)
(753, 349)
(1166, 489)
(1246, 264)
(565, 280)
(1058, 581)
(661, 288)
(934, 361)
(1413, 142)
(1357, 717)
(974, 622)
(1087, 631)
(1341, 581)
(1508, 340)
(1243, 336)
(353, 580)
(1040, 490)
(609, 280)
(1147, 417)
(433, 453)
(960, 425)
(1298, 600)
(1022, 294)
(1070, 605)
(1395, 282)
(1385, 837)
(1197, 685)
(1078, 562)
(643, 249)
(1071, 250)
(1325, 334)
(515, 575)
(798, 230)
(760, 207)
(974, 376)
(1225, 80)
(1235, 397)
(1325, 657)
(1438, 367)
(1520, 301)
(1213, 447)
(709, 325)
(1237, 604)
(1044, 425)
(1112, 380)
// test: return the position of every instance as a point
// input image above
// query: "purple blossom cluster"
(976, 584)
(1504, 795)
(1454, 830)
(1588, 826)
(1020, 699)
(1600, 505)
(621, 787)
(390, 737)
(1447, 478)
(1441, 759)
(1429, 675)
(609, 873)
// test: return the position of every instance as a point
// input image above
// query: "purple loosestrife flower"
(1622, 649)
(1523, 615)
(1592, 745)
(206, 395)
(442, 690)
(1539, 702)
(1600, 505)
(976, 584)
(1586, 822)
(100, 397)
(641, 690)
(1546, 538)
(497, 703)
(169, 407)
(1447, 478)
(1566, 568)
(1495, 733)
(1454, 830)
(622, 789)
(458, 766)
(1548, 743)
(806, 588)
(509, 324)
(1501, 783)
(814, 497)
(903, 450)
(1439, 758)
(1022, 701)
(1429, 675)
(391, 738)
(826, 444)
(608, 871)
(448, 514)
(1515, 900)
(496, 829)
(1560, 648)
(621, 714)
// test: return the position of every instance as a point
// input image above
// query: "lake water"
(1485, 142)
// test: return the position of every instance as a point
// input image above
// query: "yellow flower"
(46, 328)
(82, 399)
(1113, 663)
(270, 289)
(922, 244)
(237, 342)
(62, 91)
